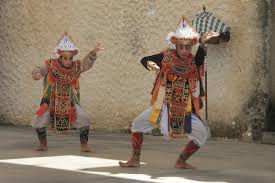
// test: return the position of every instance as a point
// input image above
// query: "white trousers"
(82, 119)
(142, 124)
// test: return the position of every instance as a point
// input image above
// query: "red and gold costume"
(176, 95)
(60, 104)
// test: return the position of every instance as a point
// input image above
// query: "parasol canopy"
(207, 22)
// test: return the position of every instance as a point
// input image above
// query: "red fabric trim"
(137, 139)
(73, 115)
(190, 149)
(43, 108)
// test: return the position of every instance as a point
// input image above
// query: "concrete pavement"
(218, 161)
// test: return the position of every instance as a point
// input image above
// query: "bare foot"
(183, 165)
(86, 148)
(131, 163)
(41, 147)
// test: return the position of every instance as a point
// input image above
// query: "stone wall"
(118, 88)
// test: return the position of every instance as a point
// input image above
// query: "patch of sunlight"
(148, 178)
(78, 163)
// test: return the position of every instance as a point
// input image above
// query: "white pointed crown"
(183, 35)
(65, 44)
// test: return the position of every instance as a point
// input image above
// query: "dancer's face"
(66, 58)
(183, 51)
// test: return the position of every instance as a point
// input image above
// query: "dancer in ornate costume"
(176, 96)
(60, 106)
